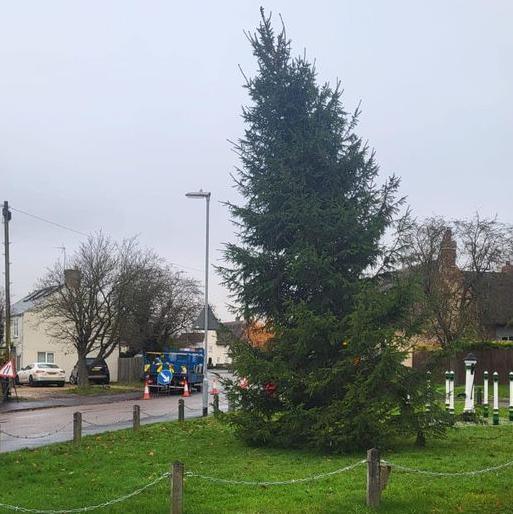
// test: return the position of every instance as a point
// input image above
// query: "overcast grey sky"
(111, 110)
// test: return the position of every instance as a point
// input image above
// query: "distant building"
(493, 292)
(217, 350)
(29, 336)
(489, 295)
(254, 333)
(220, 334)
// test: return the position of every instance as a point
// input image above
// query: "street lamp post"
(206, 195)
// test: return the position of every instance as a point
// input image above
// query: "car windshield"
(92, 360)
(52, 366)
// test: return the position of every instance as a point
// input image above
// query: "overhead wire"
(64, 227)
(50, 222)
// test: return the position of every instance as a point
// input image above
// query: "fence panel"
(130, 369)
(488, 359)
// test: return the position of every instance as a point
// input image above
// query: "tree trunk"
(421, 439)
(83, 374)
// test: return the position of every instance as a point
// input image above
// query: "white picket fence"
(470, 402)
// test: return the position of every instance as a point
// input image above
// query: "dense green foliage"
(311, 226)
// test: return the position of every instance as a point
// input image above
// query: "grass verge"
(503, 391)
(113, 464)
(98, 390)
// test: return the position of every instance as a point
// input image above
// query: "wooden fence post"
(384, 475)
(373, 482)
(136, 418)
(77, 428)
(181, 409)
(216, 404)
(176, 488)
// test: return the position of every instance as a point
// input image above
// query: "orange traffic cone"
(146, 391)
(214, 389)
(186, 392)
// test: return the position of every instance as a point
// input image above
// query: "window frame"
(46, 354)
(15, 327)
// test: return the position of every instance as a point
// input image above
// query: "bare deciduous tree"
(120, 293)
(165, 303)
(486, 243)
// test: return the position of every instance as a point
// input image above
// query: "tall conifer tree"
(310, 226)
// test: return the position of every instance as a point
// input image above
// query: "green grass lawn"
(503, 391)
(98, 390)
(113, 464)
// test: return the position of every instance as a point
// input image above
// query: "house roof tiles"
(27, 303)
(495, 296)
(213, 322)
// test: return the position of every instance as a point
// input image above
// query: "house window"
(45, 357)
(15, 327)
(504, 333)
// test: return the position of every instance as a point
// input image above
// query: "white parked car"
(41, 373)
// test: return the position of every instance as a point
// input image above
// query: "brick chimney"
(448, 249)
(507, 268)
(72, 278)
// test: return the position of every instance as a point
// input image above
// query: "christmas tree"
(309, 230)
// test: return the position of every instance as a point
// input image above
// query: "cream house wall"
(32, 337)
(217, 352)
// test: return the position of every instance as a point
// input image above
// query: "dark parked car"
(97, 369)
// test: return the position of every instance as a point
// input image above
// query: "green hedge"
(483, 345)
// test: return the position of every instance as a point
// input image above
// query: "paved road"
(30, 429)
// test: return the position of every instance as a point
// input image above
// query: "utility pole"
(7, 217)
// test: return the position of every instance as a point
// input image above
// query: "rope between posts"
(165, 414)
(193, 410)
(90, 423)
(407, 469)
(107, 424)
(279, 482)
(120, 499)
(37, 436)
(138, 491)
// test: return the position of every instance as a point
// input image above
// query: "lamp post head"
(470, 359)
(198, 194)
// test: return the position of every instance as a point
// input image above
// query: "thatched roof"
(494, 293)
